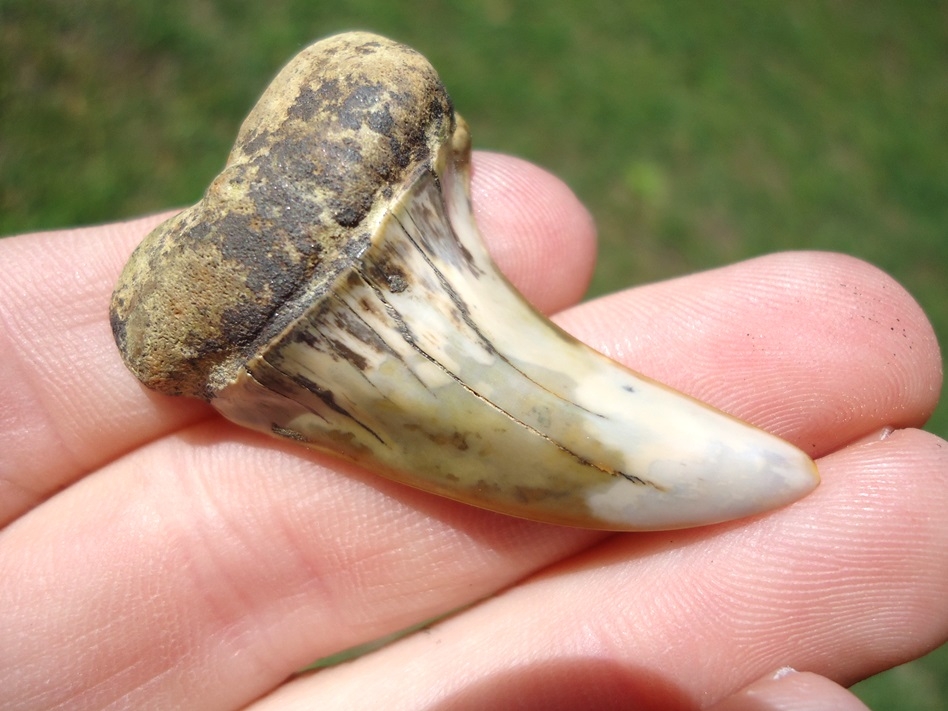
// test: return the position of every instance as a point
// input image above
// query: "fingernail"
(879, 435)
(782, 673)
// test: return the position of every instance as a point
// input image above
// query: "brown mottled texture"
(346, 123)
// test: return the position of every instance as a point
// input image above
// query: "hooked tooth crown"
(331, 288)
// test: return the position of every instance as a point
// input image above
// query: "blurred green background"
(698, 133)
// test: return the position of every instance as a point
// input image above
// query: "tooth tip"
(701, 493)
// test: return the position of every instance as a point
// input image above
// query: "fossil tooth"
(331, 288)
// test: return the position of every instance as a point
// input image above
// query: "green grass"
(698, 133)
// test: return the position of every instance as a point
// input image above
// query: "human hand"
(156, 556)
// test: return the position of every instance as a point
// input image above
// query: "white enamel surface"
(448, 380)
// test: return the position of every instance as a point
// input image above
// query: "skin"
(155, 556)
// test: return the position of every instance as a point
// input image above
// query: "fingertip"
(790, 690)
(906, 331)
(816, 347)
(539, 233)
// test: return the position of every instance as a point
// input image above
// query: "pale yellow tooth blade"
(331, 288)
(427, 366)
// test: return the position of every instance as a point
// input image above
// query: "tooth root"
(427, 366)
(331, 288)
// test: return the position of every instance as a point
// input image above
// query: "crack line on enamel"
(261, 382)
(339, 349)
(409, 338)
(301, 381)
(465, 314)
(388, 349)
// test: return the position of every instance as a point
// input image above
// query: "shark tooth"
(331, 288)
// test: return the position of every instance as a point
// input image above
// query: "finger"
(788, 690)
(847, 582)
(70, 403)
(321, 546)
(548, 249)
(204, 568)
(818, 348)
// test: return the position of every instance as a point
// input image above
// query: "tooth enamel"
(331, 288)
